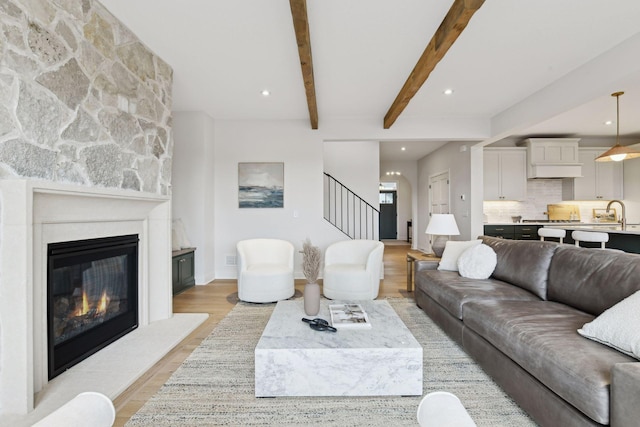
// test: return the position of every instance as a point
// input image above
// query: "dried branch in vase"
(311, 258)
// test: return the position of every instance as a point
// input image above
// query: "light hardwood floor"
(217, 299)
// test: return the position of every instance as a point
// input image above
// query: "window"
(388, 186)
(386, 198)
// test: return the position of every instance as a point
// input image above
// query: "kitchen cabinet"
(526, 232)
(600, 180)
(502, 231)
(505, 173)
(553, 157)
(183, 270)
(517, 232)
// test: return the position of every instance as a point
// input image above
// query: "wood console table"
(411, 257)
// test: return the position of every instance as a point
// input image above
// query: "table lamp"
(441, 226)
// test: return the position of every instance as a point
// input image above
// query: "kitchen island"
(523, 230)
(627, 240)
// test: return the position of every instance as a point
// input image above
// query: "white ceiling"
(225, 52)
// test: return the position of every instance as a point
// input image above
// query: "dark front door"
(388, 215)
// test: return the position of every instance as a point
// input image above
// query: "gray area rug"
(215, 385)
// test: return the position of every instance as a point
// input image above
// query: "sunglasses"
(319, 325)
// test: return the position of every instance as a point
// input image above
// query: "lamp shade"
(618, 152)
(443, 225)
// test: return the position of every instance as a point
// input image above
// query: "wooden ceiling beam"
(303, 38)
(448, 32)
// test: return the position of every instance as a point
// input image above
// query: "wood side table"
(411, 257)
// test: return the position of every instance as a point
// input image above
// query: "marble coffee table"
(291, 359)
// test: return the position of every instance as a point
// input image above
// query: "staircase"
(348, 212)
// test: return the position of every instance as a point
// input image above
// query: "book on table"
(349, 316)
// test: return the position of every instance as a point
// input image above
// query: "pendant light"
(617, 152)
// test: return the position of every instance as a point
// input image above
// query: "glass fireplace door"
(92, 296)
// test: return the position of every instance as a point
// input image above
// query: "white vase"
(311, 299)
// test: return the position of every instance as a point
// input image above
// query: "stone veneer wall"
(82, 100)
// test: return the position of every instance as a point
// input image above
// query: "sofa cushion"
(541, 337)
(523, 263)
(592, 280)
(453, 291)
(617, 326)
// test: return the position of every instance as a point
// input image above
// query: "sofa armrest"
(420, 265)
(625, 394)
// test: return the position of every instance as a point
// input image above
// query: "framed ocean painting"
(260, 185)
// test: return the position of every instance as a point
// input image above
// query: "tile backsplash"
(540, 193)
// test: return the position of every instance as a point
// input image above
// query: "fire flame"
(102, 304)
(84, 309)
(100, 308)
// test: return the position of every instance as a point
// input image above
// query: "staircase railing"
(349, 212)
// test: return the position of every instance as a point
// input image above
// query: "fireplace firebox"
(92, 297)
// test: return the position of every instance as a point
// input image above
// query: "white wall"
(193, 185)
(301, 150)
(205, 192)
(355, 164)
(455, 158)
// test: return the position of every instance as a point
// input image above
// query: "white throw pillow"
(452, 251)
(477, 262)
(617, 326)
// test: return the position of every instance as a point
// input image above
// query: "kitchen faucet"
(623, 217)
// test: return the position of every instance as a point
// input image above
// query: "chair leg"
(577, 243)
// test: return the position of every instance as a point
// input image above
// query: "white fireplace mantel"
(34, 214)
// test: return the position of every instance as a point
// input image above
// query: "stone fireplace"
(85, 153)
(37, 214)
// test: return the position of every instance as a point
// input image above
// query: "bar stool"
(552, 232)
(590, 236)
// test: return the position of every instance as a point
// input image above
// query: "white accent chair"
(265, 270)
(552, 232)
(352, 270)
(443, 409)
(86, 409)
(590, 236)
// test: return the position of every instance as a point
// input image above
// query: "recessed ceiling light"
(448, 91)
(608, 122)
(265, 92)
(404, 148)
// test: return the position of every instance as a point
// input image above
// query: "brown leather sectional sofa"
(521, 326)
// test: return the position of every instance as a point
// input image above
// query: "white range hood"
(552, 158)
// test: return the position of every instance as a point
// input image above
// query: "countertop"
(609, 227)
(545, 223)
